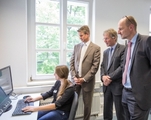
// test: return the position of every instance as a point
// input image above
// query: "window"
(52, 33)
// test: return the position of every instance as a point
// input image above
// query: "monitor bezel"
(9, 69)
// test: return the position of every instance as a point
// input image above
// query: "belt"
(128, 89)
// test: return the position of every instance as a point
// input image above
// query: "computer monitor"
(5, 102)
(2, 95)
(6, 80)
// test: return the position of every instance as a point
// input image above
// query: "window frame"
(31, 32)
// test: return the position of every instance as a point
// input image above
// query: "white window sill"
(41, 82)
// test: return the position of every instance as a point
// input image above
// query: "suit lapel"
(116, 49)
(113, 55)
(135, 49)
(79, 51)
(107, 59)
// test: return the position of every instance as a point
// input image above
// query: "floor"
(99, 117)
(114, 118)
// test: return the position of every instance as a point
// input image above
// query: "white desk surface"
(8, 115)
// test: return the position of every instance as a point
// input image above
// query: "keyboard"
(20, 105)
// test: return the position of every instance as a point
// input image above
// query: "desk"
(8, 115)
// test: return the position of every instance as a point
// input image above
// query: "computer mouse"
(24, 97)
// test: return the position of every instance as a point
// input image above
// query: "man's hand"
(106, 80)
(78, 81)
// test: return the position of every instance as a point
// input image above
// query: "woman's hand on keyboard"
(29, 109)
(33, 99)
(30, 99)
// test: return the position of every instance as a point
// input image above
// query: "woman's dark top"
(63, 103)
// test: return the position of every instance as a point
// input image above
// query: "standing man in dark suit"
(136, 96)
(83, 66)
(111, 75)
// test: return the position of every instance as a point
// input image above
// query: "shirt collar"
(87, 43)
(133, 40)
(113, 46)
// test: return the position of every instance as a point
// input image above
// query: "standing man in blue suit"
(136, 96)
(111, 75)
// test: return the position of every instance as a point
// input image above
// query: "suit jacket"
(90, 64)
(114, 70)
(140, 71)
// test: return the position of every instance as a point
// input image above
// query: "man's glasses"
(129, 20)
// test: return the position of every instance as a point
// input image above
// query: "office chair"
(73, 107)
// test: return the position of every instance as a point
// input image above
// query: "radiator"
(95, 106)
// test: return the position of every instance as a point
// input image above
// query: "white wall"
(13, 29)
(109, 12)
(13, 39)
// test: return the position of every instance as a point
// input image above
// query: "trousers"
(53, 115)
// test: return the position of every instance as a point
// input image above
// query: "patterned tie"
(110, 55)
(128, 56)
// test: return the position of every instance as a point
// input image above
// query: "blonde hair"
(62, 71)
(85, 29)
(112, 33)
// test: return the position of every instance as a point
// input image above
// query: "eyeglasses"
(129, 20)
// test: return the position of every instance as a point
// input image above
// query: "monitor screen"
(3, 95)
(6, 80)
(5, 102)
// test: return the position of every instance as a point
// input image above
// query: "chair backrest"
(73, 107)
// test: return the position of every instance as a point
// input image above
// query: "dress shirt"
(83, 51)
(113, 48)
(109, 56)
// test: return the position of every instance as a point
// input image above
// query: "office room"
(17, 43)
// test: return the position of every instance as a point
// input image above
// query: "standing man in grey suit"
(111, 75)
(83, 66)
(136, 96)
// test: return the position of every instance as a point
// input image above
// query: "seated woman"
(63, 93)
